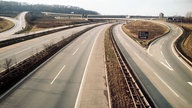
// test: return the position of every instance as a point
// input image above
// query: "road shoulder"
(94, 93)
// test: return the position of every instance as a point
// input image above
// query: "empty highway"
(165, 77)
(23, 50)
(56, 84)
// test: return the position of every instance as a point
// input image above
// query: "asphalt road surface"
(57, 83)
(23, 50)
(19, 24)
(167, 79)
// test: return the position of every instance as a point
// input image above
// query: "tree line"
(10, 8)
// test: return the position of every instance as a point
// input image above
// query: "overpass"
(72, 15)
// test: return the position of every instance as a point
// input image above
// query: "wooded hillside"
(8, 8)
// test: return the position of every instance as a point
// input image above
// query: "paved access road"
(166, 78)
(56, 84)
(23, 50)
(19, 22)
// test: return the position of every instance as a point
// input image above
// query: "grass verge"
(155, 31)
(184, 43)
(5, 25)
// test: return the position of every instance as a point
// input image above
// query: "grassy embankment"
(5, 25)
(155, 30)
(186, 40)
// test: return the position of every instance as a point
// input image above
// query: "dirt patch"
(5, 24)
(155, 30)
(50, 23)
(35, 28)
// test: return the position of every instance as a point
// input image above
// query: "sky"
(125, 7)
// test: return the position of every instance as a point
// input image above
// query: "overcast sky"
(125, 7)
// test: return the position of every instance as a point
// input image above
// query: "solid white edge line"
(190, 83)
(75, 51)
(148, 50)
(162, 54)
(107, 84)
(84, 75)
(57, 75)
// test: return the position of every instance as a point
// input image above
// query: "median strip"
(125, 89)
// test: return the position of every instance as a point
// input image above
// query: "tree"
(9, 8)
(7, 63)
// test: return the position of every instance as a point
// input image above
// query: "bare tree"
(7, 63)
(15, 59)
(63, 37)
(46, 46)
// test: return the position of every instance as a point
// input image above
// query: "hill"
(9, 8)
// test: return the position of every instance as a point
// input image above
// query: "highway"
(56, 84)
(165, 76)
(23, 50)
(167, 79)
(19, 24)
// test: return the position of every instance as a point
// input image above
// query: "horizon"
(124, 7)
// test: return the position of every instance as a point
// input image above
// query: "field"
(39, 21)
(50, 23)
(41, 24)
(42, 21)
(5, 24)
(155, 30)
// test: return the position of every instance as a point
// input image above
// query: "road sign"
(143, 34)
